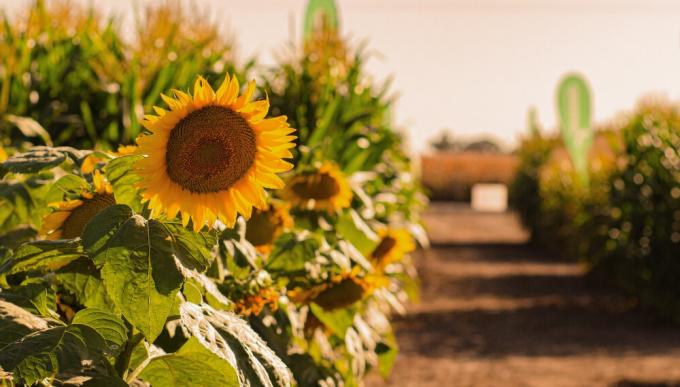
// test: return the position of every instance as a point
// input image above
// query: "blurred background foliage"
(70, 76)
(626, 225)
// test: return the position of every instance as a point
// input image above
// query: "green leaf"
(35, 297)
(16, 322)
(29, 127)
(192, 365)
(102, 227)
(52, 351)
(107, 324)
(192, 292)
(82, 279)
(193, 249)
(356, 231)
(291, 252)
(69, 186)
(16, 205)
(324, 123)
(39, 158)
(123, 180)
(338, 320)
(138, 267)
(387, 354)
(42, 255)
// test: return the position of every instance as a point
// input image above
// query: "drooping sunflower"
(325, 189)
(212, 154)
(70, 216)
(264, 226)
(339, 292)
(394, 244)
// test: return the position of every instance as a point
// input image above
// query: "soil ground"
(505, 314)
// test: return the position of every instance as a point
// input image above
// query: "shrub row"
(626, 224)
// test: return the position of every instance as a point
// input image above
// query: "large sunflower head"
(212, 154)
(70, 217)
(394, 244)
(324, 189)
(264, 226)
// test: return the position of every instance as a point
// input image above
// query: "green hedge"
(626, 225)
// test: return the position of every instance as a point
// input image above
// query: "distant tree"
(445, 144)
(483, 146)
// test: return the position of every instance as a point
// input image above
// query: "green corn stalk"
(320, 9)
(532, 122)
(574, 109)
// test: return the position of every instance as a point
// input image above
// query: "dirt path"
(506, 315)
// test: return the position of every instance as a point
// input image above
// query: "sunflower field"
(166, 220)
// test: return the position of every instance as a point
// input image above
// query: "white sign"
(489, 197)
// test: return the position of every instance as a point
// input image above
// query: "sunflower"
(394, 244)
(264, 226)
(323, 189)
(339, 292)
(254, 303)
(212, 154)
(70, 217)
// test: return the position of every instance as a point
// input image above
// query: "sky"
(475, 67)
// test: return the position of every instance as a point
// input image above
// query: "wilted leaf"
(232, 339)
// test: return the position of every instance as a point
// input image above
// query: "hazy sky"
(475, 66)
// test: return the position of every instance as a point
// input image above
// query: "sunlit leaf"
(123, 180)
(49, 352)
(192, 365)
(43, 255)
(137, 266)
(108, 325)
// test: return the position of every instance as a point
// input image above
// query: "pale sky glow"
(476, 66)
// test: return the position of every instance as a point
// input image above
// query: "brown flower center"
(210, 149)
(262, 227)
(384, 247)
(75, 223)
(318, 187)
(340, 295)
